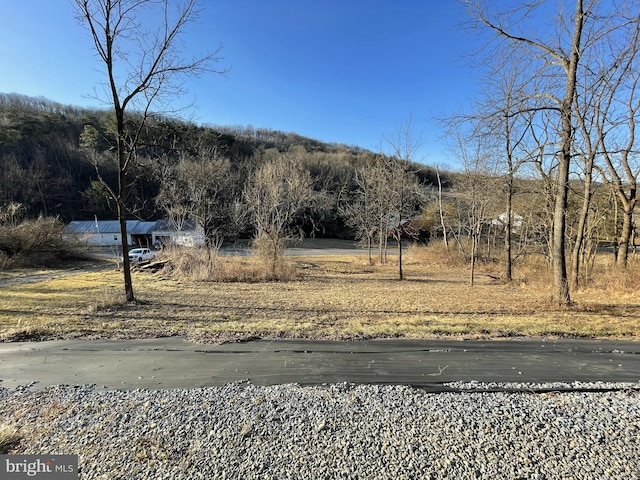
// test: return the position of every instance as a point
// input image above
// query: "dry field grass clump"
(331, 297)
(8, 437)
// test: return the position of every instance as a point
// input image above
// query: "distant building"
(106, 233)
(516, 221)
(189, 234)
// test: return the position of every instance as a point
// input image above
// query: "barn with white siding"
(106, 233)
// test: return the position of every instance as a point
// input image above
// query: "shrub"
(199, 264)
(8, 437)
(207, 265)
(270, 251)
(32, 242)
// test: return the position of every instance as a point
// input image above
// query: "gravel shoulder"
(331, 431)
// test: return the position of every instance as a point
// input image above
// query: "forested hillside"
(58, 161)
(49, 153)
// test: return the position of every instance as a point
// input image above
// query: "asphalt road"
(176, 363)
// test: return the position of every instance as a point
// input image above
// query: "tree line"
(548, 154)
(58, 160)
(234, 182)
(560, 105)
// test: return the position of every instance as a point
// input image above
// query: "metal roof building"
(105, 233)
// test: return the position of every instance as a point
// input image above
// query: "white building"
(187, 235)
(516, 221)
(106, 233)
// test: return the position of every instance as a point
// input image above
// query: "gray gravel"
(332, 431)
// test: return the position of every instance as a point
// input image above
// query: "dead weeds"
(332, 298)
(9, 436)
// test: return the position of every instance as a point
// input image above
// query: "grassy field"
(333, 298)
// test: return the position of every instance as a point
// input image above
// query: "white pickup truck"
(138, 255)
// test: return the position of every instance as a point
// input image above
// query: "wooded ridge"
(49, 153)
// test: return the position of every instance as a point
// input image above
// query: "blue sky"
(344, 71)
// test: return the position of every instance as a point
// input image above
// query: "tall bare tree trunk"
(568, 60)
(508, 260)
(121, 195)
(626, 231)
(400, 273)
(562, 294)
(578, 248)
(440, 210)
(148, 69)
(558, 246)
(126, 267)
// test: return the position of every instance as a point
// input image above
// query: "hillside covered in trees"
(49, 153)
(548, 152)
(58, 161)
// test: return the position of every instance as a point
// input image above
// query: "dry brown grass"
(438, 254)
(333, 298)
(8, 437)
(206, 265)
(607, 278)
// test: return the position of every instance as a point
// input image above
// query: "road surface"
(174, 362)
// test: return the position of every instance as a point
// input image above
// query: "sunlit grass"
(8, 437)
(335, 298)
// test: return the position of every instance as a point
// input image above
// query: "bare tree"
(503, 119)
(276, 198)
(200, 185)
(144, 71)
(402, 195)
(359, 210)
(386, 197)
(475, 187)
(441, 211)
(587, 154)
(617, 135)
(215, 192)
(172, 195)
(555, 59)
(367, 209)
(606, 112)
